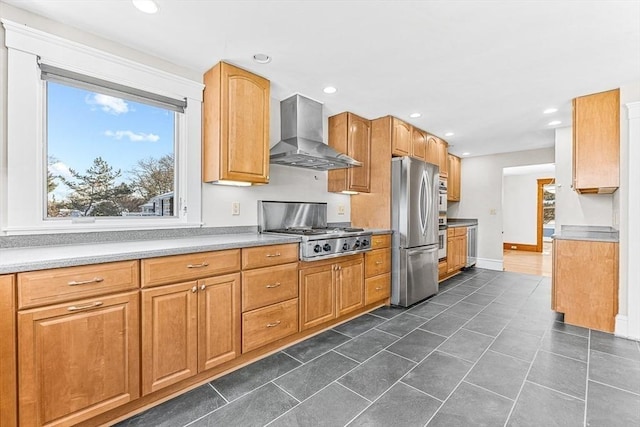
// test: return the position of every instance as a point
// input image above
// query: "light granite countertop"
(588, 232)
(461, 222)
(17, 259)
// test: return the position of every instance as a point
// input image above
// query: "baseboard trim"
(622, 326)
(490, 264)
(519, 247)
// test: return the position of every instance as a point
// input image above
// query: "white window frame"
(26, 132)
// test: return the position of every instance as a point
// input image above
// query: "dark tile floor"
(487, 350)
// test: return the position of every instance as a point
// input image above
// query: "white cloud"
(60, 169)
(133, 136)
(108, 104)
(61, 191)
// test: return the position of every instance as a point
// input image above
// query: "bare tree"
(152, 177)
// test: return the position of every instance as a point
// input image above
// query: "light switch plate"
(235, 208)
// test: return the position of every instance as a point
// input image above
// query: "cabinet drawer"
(377, 288)
(381, 241)
(264, 256)
(64, 284)
(182, 268)
(265, 286)
(268, 324)
(460, 231)
(377, 262)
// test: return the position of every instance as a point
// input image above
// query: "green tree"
(95, 193)
(151, 177)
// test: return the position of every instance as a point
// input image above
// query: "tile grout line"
(487, 390)
(586, 389)
(566, 357)
(614, 387)
(217, 391)
(557, 391)
(285, 391)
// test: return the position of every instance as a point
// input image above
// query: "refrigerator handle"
(422, 205)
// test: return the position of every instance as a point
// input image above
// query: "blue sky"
(82, 125)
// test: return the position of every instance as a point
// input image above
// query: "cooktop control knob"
(356, 245)
(317, 248)
(365, 243)
(326, 247)
(345, 246)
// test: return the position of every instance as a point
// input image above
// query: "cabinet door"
(443, 160)
(78, 360)
(452, 254)
(453, 180)
(219, 320)
(401, 138)
(169, 335)
(8, 398)
(596, 142)
(359, 148)
(350, 286)
(419, 144)
(235, 125)
(317, 296)
(432, 149)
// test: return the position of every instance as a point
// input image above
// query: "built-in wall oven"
(442, 219)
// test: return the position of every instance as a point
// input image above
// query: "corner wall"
(481, 198)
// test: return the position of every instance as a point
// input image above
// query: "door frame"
(541, 183)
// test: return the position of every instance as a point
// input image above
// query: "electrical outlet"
(235, 208)
(340, 209)
(492, 211)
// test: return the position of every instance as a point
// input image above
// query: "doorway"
(546, 213)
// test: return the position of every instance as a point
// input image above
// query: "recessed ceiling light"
(146, 6)
(554, 122)
(329, 89)
(466, 153)
(550, 110)
(449, 134)
(415, 115)
(261, 58)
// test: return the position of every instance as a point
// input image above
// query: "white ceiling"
(482, 69)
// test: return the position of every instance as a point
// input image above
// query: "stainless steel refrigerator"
(414, 219)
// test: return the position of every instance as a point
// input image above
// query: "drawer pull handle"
(379, 288)
(275, 285)
(85, 307)
(85, 282)
(204, 264)
(378, 262)
(273, 325)
(273, 255)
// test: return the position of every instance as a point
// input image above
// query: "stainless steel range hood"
(301, 132)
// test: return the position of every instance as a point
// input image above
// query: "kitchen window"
(96, 141)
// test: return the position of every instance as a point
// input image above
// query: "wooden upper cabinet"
(453, 179)
(419, 144)
(401, 138)
(443, 160)
(432, 149)
(351, 134)
(235, 126)
(596, 142)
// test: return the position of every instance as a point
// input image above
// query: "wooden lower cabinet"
(8, 383)
(456, 248)
(585, 283)
(377, 288)
(77, 360)
(187, 328)
(330, 289)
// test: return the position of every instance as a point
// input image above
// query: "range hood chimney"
(301, 132)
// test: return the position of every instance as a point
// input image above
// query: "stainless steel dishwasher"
(472, 245)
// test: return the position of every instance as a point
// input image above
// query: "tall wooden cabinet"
(329, 289)
(453, 180)
(585, 283)
(351, 134)
(596, 142)
(235, 145)
(8, 365)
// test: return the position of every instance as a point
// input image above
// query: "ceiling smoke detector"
(261, 58)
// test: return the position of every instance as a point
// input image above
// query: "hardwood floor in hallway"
(529, 262)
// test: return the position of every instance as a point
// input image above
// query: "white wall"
(520, 207)
(481, 198)
(573, 208)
